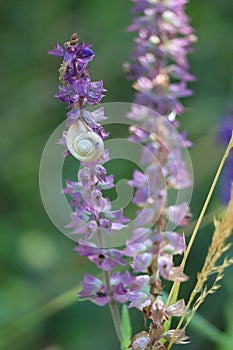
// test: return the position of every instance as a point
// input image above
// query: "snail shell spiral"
(83, 143)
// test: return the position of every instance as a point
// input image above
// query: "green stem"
(176, 286)
(113, 309)
(112, 304)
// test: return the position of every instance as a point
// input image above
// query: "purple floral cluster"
(160, 70)
(77, 88)
(225, 133)
(92, 216)
(124, 288)
(161, 73)
(159, 62)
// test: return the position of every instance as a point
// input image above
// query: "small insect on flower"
(74, 39)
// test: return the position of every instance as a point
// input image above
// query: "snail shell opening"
(84, 144)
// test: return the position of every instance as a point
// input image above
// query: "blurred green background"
(37, 262)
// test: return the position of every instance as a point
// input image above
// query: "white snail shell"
(83, 143)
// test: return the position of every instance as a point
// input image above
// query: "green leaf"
(126, 328)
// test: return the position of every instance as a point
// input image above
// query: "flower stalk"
(92, 215)
(112, 304)
(113, 308)
(160, 71)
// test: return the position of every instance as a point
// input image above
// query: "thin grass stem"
(172, 298)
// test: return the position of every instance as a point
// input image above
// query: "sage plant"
(134, 275)
(152, 249)
(92, 213)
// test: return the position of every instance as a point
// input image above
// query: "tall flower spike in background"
(160, 71)
(159, 65)
(224, 135)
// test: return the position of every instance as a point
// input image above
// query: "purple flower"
(179, 214)
(146, 248)
(137, 296)
(58, 51)
(73, 51)
(89, 177)
(165, 264)
(95, 93)
(174, 243)
(141, 341)
(149, 187)
(92, 213)
(142, 252)
(62, 142)
(77, 88)
(105, 259)
(94, 289)
(91, 120)
(72, 116)
(92, 210)
(225, 132)
(139, 134)
(83, 223)
(142, 262)
(163, 42)
(124, 287)
(139, 179)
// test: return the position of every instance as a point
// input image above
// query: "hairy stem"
(112, 304)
